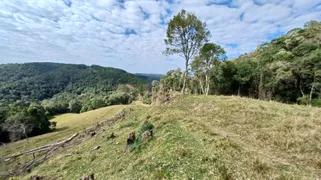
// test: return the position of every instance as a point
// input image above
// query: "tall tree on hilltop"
(185, 35)
(209, 56)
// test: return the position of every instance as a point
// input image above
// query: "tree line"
(287, 69)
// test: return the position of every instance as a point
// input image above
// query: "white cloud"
(130, 35)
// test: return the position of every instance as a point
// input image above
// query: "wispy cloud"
(129, 34)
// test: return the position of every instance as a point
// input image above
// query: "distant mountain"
(149, 77)
(39, 81)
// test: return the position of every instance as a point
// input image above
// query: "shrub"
(136, 146)
(316, 102)
(147, 98)
(302, 100)
(53, 125)
(118, 98)
(146, 126)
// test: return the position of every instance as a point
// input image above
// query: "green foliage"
(287, 69)
(39, 81)
(316, 102)
(75, 106)
(53, 125)
(137, 145)
(147, 98)
(146, 126)
(25, 122)
(119, 98)
(205, 63)
(173, 80)
(304, 48)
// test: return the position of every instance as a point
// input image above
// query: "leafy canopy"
(185, 35)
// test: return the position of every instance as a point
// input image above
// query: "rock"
(147, 134)
(111, 136)
(90, 177)
(36, 177)
(131, 138)
(96, 148)
(93, 134)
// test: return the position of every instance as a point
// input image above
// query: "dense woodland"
(31, 93)
(287, 69)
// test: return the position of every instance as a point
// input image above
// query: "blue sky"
(130, 34)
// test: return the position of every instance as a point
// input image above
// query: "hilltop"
(200, 137)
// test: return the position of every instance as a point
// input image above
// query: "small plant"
(136, 146)
(145, 126)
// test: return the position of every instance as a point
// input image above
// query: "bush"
(146, 126)
(303, 101)
(316, 102)
(147, 98)
(53, 125)
(118, 98)
(139, 139)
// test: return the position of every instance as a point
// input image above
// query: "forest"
(287, 69)
(31, 93)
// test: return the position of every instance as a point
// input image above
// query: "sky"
(130, 34)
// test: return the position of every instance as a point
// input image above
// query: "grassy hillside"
(215, 137)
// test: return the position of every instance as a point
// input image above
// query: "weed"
(146, 126)
(136, 146)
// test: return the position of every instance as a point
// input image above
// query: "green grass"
(214, 137)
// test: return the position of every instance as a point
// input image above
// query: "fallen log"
(42, 148)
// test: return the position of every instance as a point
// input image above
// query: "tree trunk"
(185, 77)
(311, 94)
(239, 90)
(301, 90)
(207, 84)
(202, 86)
(262, 92)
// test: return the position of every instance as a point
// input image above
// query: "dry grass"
(199, 137)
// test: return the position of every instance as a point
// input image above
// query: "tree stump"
(131, 138)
